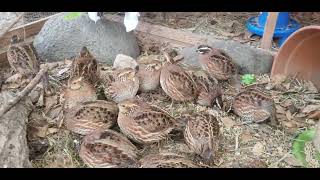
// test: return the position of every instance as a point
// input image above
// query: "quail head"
(105, 148)
(253, 105)
(85, 66)
(144, 123)
(202, 135)
(120, 84)
(216, 62)
(176, 82)
(90, 116)
(149, 73)
(23, 57)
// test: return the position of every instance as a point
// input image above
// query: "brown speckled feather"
(217, 63)
(177, 83)
(149, 74)
(166, 161)
(90, 116)
(23, 58)
(121, 84)
(144, 123)
(106, 148)
(202, 135)
(209, 90)
(254, 105)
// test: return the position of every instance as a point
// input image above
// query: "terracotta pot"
(300, 55)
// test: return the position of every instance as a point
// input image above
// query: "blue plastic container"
(284, 26)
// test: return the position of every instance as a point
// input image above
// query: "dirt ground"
(243, 145)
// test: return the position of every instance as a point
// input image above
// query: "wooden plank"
(29, 29)
(266, 42)
(175, 36)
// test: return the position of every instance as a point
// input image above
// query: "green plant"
(72, 15)
(248, 79)
(299, 146)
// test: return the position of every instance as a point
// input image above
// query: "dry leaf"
(292, 161)
(315, 115)
(39, 131)
(50, 102)
(278, 79)
(288, 115)
(52, 131)
(311, 87)
(311, 108)
(228, 122)
(246, 137)
(258, 149)
(292, 108)
(287, 85)
(287, 103)
(281, 117)
(289, 124)
(280, 109)
(301, 115)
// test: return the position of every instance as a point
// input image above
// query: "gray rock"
(249, 59)
(60, 39)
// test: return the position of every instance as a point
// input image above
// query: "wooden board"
(267, 38)
(28, 31)
(161, 33)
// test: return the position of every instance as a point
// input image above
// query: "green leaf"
(248, 79)
(72, 15)
(299, 145)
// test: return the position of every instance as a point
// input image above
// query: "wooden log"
(269, 28)
(14, 152)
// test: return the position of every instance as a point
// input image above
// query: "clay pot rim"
(306, 28)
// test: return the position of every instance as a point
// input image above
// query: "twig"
(11, 25)
(281, 159)
(6, 107)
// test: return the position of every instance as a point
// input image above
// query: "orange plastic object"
(300, 55)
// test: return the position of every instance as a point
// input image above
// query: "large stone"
(249, 59)
(60, 38)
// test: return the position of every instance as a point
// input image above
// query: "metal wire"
(34, 16)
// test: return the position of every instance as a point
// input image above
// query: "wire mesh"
(34, 16)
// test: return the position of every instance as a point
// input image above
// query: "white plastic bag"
(93, 16)
(131, 20)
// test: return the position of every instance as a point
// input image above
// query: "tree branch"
(6, 107)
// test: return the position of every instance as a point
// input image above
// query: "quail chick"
(216, 62)
(144, 123)
(209, 90)
(120, 84)
(81, 82)
(22, 57)
(202, 135)
(253, 105)
(149, 74)
(105, 148)
(176, 82)
(90, 116)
